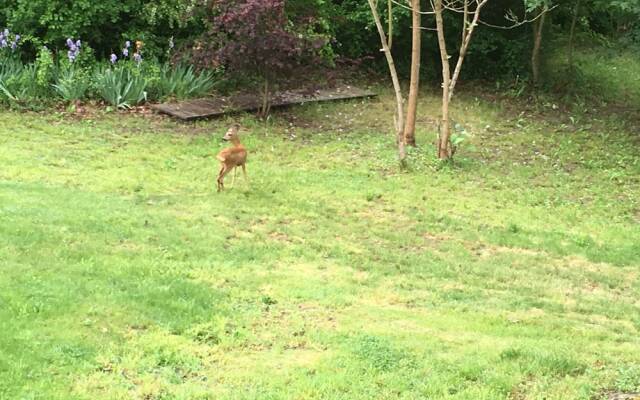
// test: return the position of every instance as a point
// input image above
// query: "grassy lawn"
(610, 74)
(512, 274)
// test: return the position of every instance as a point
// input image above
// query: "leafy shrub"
(44, 67)
(9, 67)
(120, 87)
(183, 82)
(152, 73)
(18, 83)
(264, 46)
(71, 84)
(105, 22)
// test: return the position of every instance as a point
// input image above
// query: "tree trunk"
(399, 118)
(390, 21)
(444, 145)
(412, 105)
(576, 11)
(467, 34)
(264, 109)
(538, 27)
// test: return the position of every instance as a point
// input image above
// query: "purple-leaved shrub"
(254, 38)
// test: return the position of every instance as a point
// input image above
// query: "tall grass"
(120, 87)
(71, 84)
(18, 82)
(183, 82)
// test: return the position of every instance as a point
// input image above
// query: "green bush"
(183, 82)
(18, 83)
(9, 69)
(45, 67)
(71, 84)
(104, 23)
(120, 87)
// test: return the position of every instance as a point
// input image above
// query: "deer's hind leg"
(223, 171)
(244, 172)
(235, 173)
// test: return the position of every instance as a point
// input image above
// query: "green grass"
(512, 273)
(608, 74)
(613, 73)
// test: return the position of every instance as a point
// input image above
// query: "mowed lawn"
(511, 274)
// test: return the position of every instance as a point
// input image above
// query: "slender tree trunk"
(465, 20)
(412, 105)
(444, 145)
(467, 34)
(390, 21)
(264, 109)
(572, 33)
(538, 27)
(399, 117)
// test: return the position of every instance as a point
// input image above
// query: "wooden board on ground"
(217, 106)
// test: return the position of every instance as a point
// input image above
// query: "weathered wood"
(214, 107)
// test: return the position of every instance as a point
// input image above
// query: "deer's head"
(232, 133)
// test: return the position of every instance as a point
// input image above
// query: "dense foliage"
(254, 36)
(105, 23)
(125, 80)
(60, 49)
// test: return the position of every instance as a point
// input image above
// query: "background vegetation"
(344, 26)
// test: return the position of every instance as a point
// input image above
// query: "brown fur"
(231, 157)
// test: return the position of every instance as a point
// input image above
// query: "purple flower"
(125, 52)
(127, 44)
(74, 49)
(5, 40)
(113, 58)
(137, 57)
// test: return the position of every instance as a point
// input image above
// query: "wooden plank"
(214, 107)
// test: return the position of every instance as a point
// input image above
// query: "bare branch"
(465, 20)
(461, 10)
(466, 39)
(410, 9)
(517, 23)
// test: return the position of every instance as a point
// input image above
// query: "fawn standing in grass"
(232, 157)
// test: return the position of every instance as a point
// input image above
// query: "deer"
(232, 157)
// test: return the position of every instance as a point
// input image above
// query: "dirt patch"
(636, 215)
(520, 391)
(486, 251)
(622, 396)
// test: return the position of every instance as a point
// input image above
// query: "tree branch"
(518, 23)
(411, 9)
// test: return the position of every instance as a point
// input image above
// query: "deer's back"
(233, 155)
